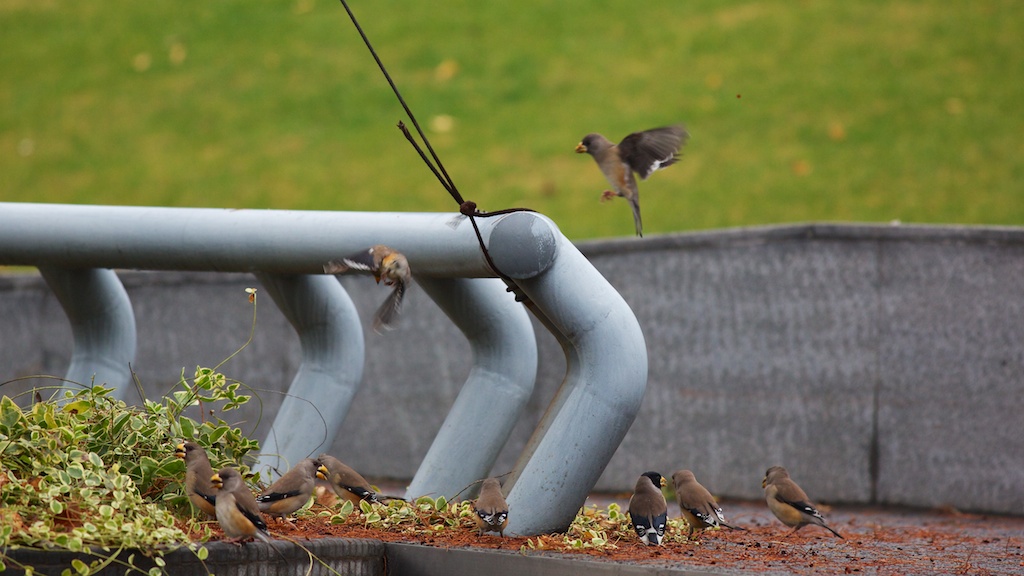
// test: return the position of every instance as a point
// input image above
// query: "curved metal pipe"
(604, 384)
(102, 326)
(333, 353)
(496, 391)
(605, 349)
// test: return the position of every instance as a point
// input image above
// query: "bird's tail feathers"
(387, 314)
(635, 204)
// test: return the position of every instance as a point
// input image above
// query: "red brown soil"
(877, 541)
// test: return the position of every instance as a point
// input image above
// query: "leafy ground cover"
(832, 110)
(84, 472)
(89, 473)
(877, 540)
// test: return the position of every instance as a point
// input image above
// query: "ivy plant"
(85, 472)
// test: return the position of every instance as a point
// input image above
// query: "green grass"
(816, 110)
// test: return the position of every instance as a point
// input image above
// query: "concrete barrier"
(319, 557)
(880, 364)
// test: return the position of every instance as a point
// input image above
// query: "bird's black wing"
(275, 496)
(493, 518)
(256, 520)
(211, 499)
(647, 151)
(363, 493)
(703, 515)
(644, 523)
(714, 517)
(360, 262)
(804, 507)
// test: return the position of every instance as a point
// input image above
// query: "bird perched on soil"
(788, 501)
(640, 152)
(491, 509)
(198, 488)
(345, 482)
(385, 264)
(237, 511)
(293, 490)
(648, 510)
(697, 504)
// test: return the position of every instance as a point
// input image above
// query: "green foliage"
(829, 110)
(425, 515)
(600, 529)
(90, 471)
(85, 472)
(593, 528)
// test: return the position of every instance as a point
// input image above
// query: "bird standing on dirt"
(640, 152)
(293, 490)
(198, 488)
(237, 511)
(697, 504)
(648, 510)
(491, 508)
(385, 264)
(345, 482)
(789, 503)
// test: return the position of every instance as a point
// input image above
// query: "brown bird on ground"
(292, 490)
(491, 509)
(198, 488)
(385, 264)
(648, 510)
(640, 152)
(697, 504)
(345, 482)
(237, 511)
(789, 503)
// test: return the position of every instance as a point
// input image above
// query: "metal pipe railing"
(604, 346)
(496, 391)
(333, 357)
(102, 325)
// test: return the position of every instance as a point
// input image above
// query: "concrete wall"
(879, 364)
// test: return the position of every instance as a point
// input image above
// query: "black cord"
(447, 180)
(467, 208)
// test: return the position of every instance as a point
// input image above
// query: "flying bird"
(345, 482)
(385, 264)
(789, 502)
(648, 510)
(198, 488)
(293, 490)
(491, 509)
(697, 504)
(641, 152)
(237, 511)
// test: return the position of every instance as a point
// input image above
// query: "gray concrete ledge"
(349, 556)
(419, 560)
(880, 364)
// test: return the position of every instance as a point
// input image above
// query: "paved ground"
(878, 540)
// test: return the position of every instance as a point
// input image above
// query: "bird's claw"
(607, 195)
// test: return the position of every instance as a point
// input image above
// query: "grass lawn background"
(814, 110)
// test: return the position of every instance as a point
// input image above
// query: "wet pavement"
(877, 540)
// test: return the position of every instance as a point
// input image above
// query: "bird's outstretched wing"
(650, 150)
